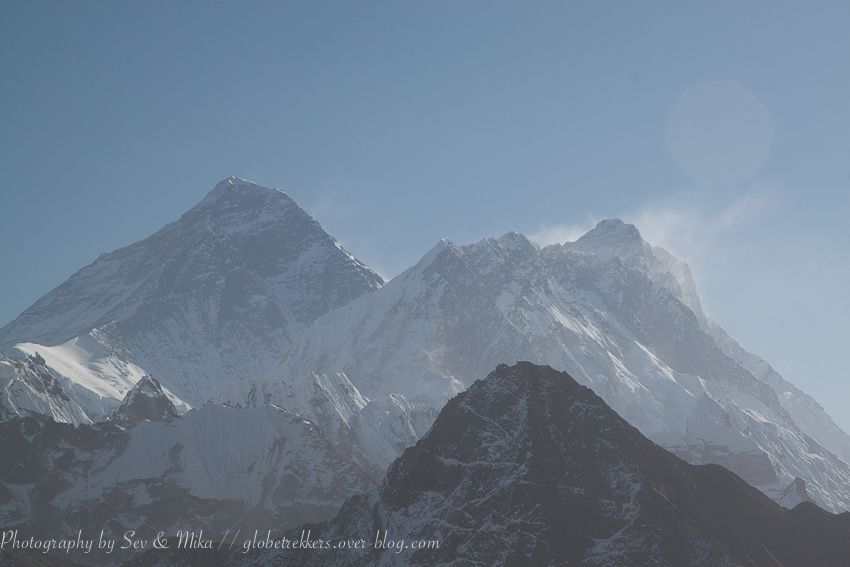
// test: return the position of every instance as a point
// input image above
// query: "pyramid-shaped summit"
(206, 302)
(611, 237)
(145, 401)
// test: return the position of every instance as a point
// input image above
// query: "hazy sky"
(721, 128)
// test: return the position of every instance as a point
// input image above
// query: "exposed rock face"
(527, 467)
(29, 387)
(795, 494)
(145, 401)
(247, 302)
(621, 316)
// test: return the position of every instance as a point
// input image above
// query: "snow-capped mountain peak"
(146, 387)
(147, 400)
(622, 317)
(247, 300)
(243, 197)
(517, 242)
(610, 237)
(214, 297)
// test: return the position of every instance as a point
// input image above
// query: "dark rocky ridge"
(527, 467)
(145, 401)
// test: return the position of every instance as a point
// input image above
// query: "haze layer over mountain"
(246, 301)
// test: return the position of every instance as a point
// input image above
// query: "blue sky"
(721, 128)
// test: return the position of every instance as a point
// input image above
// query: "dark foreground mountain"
(527, 467)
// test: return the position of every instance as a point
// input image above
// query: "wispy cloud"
(691, 226)
(687, 226)
(548, 234)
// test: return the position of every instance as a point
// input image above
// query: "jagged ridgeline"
(240, 364)
(527, 467)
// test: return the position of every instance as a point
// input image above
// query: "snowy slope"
(375, 430)
(213, 468)
(29, 387)
(806, 412)
(247, 301)
(91, 367)
(619, 315)
(527, 467)
(213, 298)
(810, 416)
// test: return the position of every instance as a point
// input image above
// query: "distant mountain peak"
(145, 401)
(237, 195)
(515, 241)
(213, 297)
(233, 184)
(232, 181)
(611, 238)
(147, 386)
(610, 232)
(429, 257)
